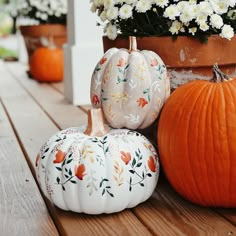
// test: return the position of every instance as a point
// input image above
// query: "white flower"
(201, 19)
(125, 11)
(204, 26)
(103, 16)
(111, 31)
(232, 3)
(171, 12)
(143, 6)
(204, 8)
(227, 32)
(192, 30)
(219, 6)
(161, 3)
(112, 13)
(108, 4)
(216, 21)
(175, 27)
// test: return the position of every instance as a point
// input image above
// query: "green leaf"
(63, 188)
(46, 150)
(66, 176)
(149, 174)
(58, 180)
(73, 181)
(103, 191)
(110, 194)
(132, 171)
(107, 149)
(70, 155)
(59, 168)
(139, 164)
(70, 172)
(133, 162)
(141, 184)
(69, 161)
(127, 66)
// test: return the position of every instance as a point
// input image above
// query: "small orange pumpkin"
(46, 64)
(197, 140)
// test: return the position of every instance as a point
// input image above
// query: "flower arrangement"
(196, 18)
(43, 11)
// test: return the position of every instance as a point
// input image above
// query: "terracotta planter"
(33, 35)
(187, 58)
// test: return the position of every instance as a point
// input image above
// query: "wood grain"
(169, 213)
(165, 213)
(53, 103)
(22, 209)
(33, 127)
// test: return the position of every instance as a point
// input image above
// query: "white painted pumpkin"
(130, 86)
(97, 171)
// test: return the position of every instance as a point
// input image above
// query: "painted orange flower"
(37, 160)
(154, 62)
(95, 99)
(125, 157)
(80, 171)
(142, 102)
(60, 156)
(121, 62)
(152, 164)
(103, 60)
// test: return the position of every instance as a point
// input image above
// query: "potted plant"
(190, 35)
(50, 18)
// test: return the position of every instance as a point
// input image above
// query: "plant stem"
(218, 75)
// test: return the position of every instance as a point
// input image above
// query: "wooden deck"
(30, 113)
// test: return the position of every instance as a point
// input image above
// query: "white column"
(82, 52)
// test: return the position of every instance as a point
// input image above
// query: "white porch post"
(82, 51)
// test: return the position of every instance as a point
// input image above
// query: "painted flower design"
(80, 171)
(154, 62)
(125, 157)
(152, 164)
(37, 160)
(103, 60)
(95, 99)
(121, 62)
(60, 156)
(142, 102)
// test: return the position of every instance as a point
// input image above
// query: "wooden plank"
(61, 111)
(22, 209)
(229, 214)
(33, 127)
(170, 214)
(59, 87)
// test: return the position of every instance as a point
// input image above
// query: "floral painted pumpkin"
(97, 170)
(197, 140)
(130, 86)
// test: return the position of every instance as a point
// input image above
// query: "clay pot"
(187, 58)
(33, 35)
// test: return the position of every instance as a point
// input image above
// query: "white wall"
(82, 52)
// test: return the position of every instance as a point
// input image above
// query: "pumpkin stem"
(218, 75)
(132, 44)
(96, 125)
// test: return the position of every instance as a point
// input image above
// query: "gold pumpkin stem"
(132, 44)
(96, 125)
(218, 75)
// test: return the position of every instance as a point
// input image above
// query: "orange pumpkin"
(197, 141)
(46, 64)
